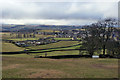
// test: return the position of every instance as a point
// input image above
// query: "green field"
(48, 31)
(9, 36)
(41, 49)
(25, 66)
(38, 36)
(64, 38)
(5, 35)
(9, 47)
(56, 53)
(55, 45)
(23, 39)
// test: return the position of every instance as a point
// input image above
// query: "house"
(74, 38)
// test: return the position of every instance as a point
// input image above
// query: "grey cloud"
(52, 11)
(69, 12)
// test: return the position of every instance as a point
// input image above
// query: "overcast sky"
(57, 13)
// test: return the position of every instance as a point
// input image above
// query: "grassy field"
(64, 38)
(36, 50)
(54, 45)
(48, 30)
(37, 37)
(43, 36)
(41, 49)
(23, 39)
(5, 35)
(10, 36)
(56, 53)
(9, 47)
(25, 66)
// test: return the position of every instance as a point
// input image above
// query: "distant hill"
(9, 27)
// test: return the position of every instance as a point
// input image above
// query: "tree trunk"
(103, 49)
(91, 53)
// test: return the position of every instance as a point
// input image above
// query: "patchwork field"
(62, 45)
(25, 66)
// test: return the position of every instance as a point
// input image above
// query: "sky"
(54, 12)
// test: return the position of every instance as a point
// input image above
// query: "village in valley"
(74, 35)
(60, 40)
(54, 36)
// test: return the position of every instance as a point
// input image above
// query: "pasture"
(55, 45)
(9, 47)
(25, 66)
(12, 36)
(36, 50)
(23, 39)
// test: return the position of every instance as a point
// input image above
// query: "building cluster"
(73, 34)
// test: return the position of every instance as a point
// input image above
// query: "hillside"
(9, 27)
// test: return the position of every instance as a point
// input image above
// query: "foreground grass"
(24, 66)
